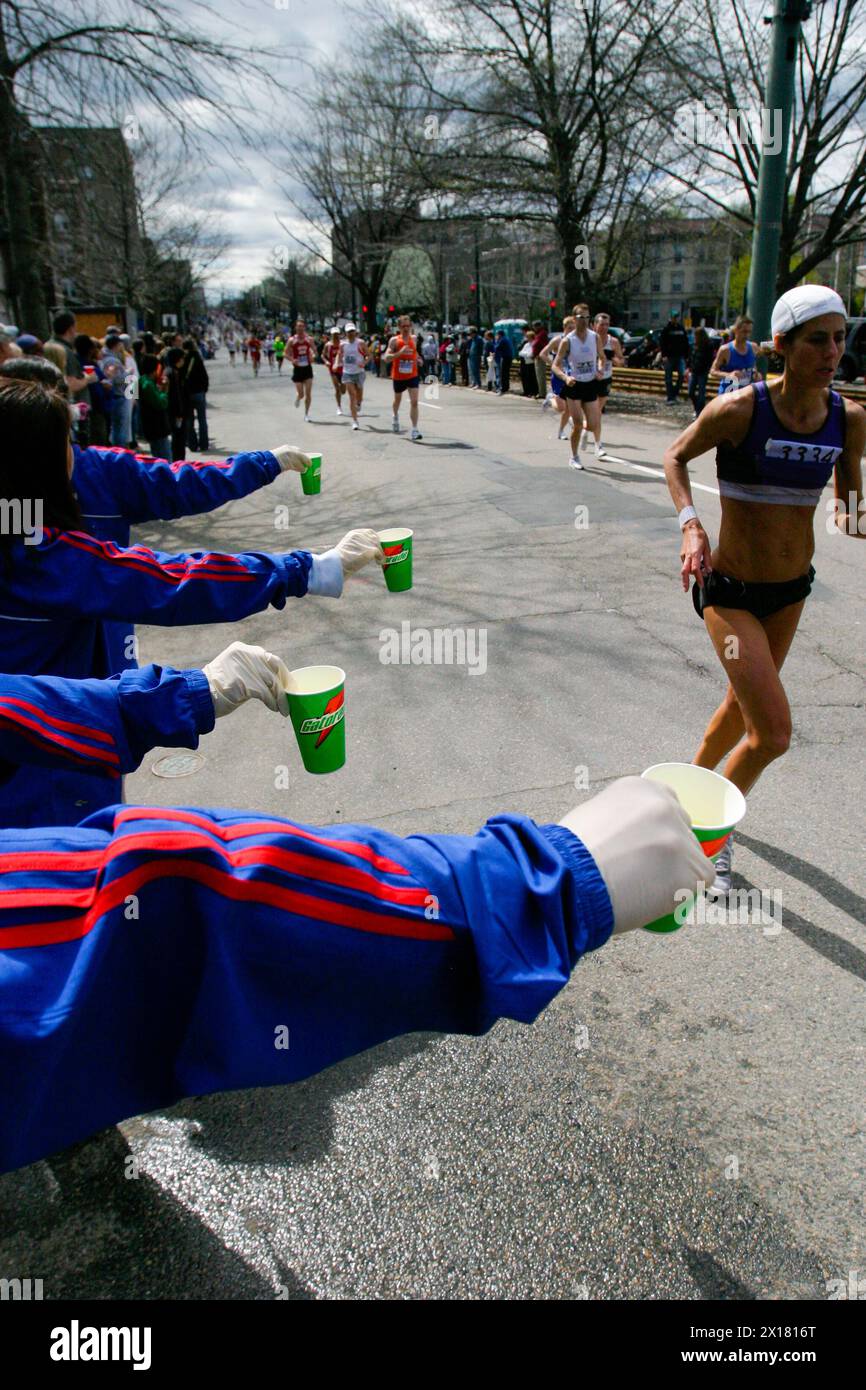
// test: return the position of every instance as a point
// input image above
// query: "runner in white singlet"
(352, 359)
(576, 364)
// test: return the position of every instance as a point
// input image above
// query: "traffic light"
(553, 303)
(391, 309)
(473, 287)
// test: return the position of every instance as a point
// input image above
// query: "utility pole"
(788, 16)
(293, 303)
(477, 282)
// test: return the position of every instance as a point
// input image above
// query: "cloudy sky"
(248, 199)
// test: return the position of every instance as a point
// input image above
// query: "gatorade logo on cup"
(395, 553)
(334, 713)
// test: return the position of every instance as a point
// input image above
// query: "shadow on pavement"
(89, 1231)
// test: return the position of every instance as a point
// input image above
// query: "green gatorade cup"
(397, 545)
(714, 806)
(311, 478)
(317, 710)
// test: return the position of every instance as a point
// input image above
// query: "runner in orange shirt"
(402, 354)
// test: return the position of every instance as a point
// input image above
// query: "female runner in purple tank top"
(776, 447)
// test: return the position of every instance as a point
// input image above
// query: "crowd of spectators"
(126, 391)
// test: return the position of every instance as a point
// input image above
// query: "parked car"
(853, 363)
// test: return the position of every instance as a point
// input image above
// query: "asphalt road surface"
(685, 1120)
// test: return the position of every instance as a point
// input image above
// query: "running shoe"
(355, 425)
(574, 461)
(339, 411)
(721, 886)
(600, 451)
(395, 425)
(563, 434)
(547, 403)
(416, 434)
(307, 420)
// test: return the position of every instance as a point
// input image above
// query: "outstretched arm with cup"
(291, 947)
(140, 488)
(73, 575)
(107, 726)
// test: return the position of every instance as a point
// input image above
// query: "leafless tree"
(134, 59)
(353, 180)
(544, 111)
(714, 140)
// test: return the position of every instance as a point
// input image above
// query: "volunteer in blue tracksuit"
(150, 954)
(117, 489)
(59, 585)
(107, 726)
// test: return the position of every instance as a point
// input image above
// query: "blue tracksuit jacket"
(118, 489)
(104, 728)
(150, 954)
(53, 605)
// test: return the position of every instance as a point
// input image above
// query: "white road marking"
(429, 406)
(655, 472)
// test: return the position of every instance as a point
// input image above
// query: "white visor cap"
(805, 302)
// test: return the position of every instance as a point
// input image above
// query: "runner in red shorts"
(255, 347)
(302, 351)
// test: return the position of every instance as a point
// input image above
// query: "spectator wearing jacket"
(153, 407)
(528, 379)
(540, 339)
(503, 354)
(196, 384)
(475, 354)
(100, 388)
(114, 366)
(674, 346)
(178, 406)
(701, 361)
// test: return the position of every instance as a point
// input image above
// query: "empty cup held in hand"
(713, 805)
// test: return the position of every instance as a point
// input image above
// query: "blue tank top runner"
(777, 465)
(742, 362)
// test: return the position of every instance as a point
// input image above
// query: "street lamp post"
(788, 16)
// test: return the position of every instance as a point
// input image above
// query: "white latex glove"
(641, 839)
(242, 673)
(357, 549)
(290, 458)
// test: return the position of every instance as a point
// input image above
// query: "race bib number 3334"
(789, 449)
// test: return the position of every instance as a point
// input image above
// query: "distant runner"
(330, 357)
(737, 360)
(576, 363)
(610, 355)
(402, 353)
(302, 351)
(352, 361)
(255, 347)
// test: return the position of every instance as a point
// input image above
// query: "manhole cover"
(178, 765)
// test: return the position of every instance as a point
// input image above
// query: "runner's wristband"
(687, 514)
